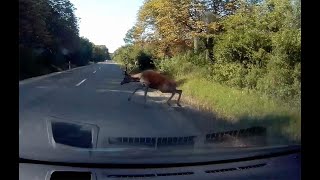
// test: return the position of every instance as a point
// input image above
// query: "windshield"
(110, 80)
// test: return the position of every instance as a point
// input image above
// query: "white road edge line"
(94, 71)
(81, 82)
(33, 79)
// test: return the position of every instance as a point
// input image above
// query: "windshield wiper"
(269, 154)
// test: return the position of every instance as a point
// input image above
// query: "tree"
(84, 52)
(134, 57)
(100, 53)
(165, 22)
(63, 25)
(33, 22)
(129, 38)
(47, 29)
(206, 16)
(176, 25)
(49, 38)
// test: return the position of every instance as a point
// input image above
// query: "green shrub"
(134, 57)
(254, 74)
(278, 81)
(288, 42)
(231, 74)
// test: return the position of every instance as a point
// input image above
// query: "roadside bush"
(134, 57)
(254, 74)
(278, 81)
(231, 74)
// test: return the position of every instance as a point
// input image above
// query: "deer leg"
(134, 92)
(179, 92)
(145, 94)
(171, 98)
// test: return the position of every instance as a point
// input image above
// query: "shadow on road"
(275, 125)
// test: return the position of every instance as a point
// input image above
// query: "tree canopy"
(49, 38)
(254, 44)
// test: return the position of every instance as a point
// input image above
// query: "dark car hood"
(56, 140)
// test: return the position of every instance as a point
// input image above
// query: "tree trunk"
(209, 49)
(196, 44)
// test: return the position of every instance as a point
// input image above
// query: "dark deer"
(154, 80)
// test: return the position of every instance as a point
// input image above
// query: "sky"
(105, 22)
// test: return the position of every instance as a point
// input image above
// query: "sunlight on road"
(107, 62)
(112, 90)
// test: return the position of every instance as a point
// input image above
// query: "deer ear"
(124, 72)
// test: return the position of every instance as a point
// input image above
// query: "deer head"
(127, 78)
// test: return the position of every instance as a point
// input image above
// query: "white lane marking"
(81, 82)
(94, 71)
(31, 80)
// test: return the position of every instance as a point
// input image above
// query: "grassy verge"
(242, 107)
(238, 108)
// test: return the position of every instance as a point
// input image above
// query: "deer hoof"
(179, 104)
(168, 104)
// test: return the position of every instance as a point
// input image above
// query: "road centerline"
(81, 82)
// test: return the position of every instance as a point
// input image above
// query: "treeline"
(49, 38)
(243, 44)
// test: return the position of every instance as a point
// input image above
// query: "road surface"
(93, 95)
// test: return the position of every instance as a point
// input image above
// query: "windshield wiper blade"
(270, 154)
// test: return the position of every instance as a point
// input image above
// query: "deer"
(154, 80)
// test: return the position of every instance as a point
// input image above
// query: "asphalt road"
(93, 94)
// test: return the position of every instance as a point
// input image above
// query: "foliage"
(100, 53)
(134, 57)
(49, 38)
(256, 44)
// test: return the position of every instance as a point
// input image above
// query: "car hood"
(58, 140)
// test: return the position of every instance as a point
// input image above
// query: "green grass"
(231, 106)
(241, 107)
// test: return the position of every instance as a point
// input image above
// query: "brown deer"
(154, 80)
